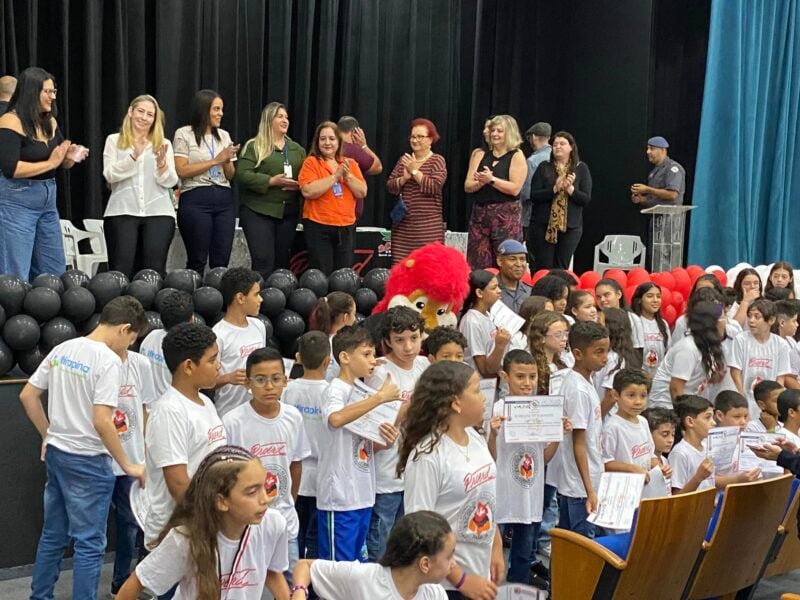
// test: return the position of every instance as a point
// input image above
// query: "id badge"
(215, 172)
(337, 189)
(287, 171)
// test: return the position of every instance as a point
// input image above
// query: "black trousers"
(553, 256)
(329, 247)
(269, 239)
(207, 219)
(136, 243)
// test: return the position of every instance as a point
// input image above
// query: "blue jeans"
(76, 500)
(523, 551)
(549, 516)
(306, 507)
(388, 508)
(572, 515)
(30, 237)
(207, 220)
(127, 531)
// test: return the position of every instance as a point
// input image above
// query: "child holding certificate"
(520, 475)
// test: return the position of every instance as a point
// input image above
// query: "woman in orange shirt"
(330, 185)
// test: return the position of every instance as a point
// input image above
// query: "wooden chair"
(790, 597)
(733, 558)
(787, 550)
(664, 545)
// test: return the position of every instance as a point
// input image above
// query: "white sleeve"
(683, 364)
(148, 393)
(738, 352)
(166, 565)
(421, 483)
(278, 561)
(107, 384)
(166, 437)
(302, 447)
(478, 341)
(41, 377)
(232, 428)
(783, 365)
(610, 442)
(330, 578)
(576, 408)
(637, 331)
(334, 401)
(681, 469)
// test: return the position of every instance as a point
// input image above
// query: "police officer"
(666, 183)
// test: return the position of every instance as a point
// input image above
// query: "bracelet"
(364, 147)
(461, 581)
(298, 588)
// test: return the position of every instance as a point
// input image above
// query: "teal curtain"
(747, 179)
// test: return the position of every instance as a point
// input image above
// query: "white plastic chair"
(99, 242)
(85, 262)
(622, 251)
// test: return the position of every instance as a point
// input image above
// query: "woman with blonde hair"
(139, 166)
(494, 178)
(269, 196)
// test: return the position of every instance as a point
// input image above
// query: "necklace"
(460, 448)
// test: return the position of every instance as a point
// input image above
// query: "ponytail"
(328, 309)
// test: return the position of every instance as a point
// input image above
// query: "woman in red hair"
(417, 179)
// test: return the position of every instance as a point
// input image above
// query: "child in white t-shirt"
(731, 409)
(238, 335)
(766, 395)
(419, 554)
(449, 470)
(646, 302)
(662, 423)
(305, 394)
(486, 343)
(222, 539)
(331, 313)
(620, 355)
(578, 474)
(273, 432)
(758, 354)
(346, 468)
(520, 471)
(444, 343)
(786, 326)
(183, 426)
(178, 307)
(789, 414)
(82, 377)
(609, 295)
(401, 334)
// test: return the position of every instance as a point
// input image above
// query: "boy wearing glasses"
(273, 432)
(239, 333)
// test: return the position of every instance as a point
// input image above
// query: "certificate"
(617, 499)
(504, 317)
(489, 391)
(368, 426)
(747, 458)
(517, 591)
(533, 419)
(721, 447)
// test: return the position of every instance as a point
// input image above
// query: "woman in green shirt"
(269, 198)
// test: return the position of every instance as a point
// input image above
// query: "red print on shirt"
(245, 351)
(216, 433)
(271, 449)
(480, 520)
(479, 477)
(237, 580)
(127, 391)
(526, 466)
(120, 422)
(640, 450)
(759, 363)
(271, 485)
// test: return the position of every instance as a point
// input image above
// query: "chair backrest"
(98, 242)
(788, 557)
(666, 543)
(621, 251)
(748, 523)
(68, 241)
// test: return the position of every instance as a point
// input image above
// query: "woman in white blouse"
(139, 166)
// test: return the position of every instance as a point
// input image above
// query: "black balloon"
(150, 276)
(273, 301)
(42, 303)
(197, 277)
(6, 358)
(215, 319)
(2, 316)
(288, 325)
(57, 331)
(123, 280)
(214, 277)
(198, 319)
(50, 281)
(12, 294)
(74, 278)
(267, 325)
(21, 332)
(105, 287)
(207, 301)
(144, 291)
(366, 300)
(284, 280)
(29, 360)
(182, 279)
(91, 324)
(161, 296)
(316, 281)
(344, 280)
(153, 322)
(375, 279)
(302, 301)
(77, 304)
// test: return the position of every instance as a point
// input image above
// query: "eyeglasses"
(559, 335)
(52, 93)
(261, 381)
(415, 138)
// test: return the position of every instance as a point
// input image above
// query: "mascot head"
(433, 280)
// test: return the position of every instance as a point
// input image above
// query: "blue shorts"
(343, 534)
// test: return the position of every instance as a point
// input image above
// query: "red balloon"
(538, 275)
(629, 293)
(617, 275)
(492, 270)
(670, 314)
(677, 300)
(721, 276)
(664, 280)
(666, 298)
(695, 271)
(683, 283)
(638, 277)
(589, 279)
(526, 279)
(638, 271)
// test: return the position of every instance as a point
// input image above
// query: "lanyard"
(235, 563)
(285, 151)
(211, 147)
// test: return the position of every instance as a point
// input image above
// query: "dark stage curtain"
(590, 67)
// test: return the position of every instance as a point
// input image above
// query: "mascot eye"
(441, 311)
(419, 304)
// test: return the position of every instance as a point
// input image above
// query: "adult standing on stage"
(139, 165)
(330, 184)
(204, 156)
(418, 179)
(494, 179)
(32, 147)
(8, 84)
(269, 196)
(560, 188)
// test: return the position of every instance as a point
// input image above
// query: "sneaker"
(540, 583)
(544, 550)
(539, 569)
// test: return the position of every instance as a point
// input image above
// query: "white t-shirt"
(151, 349)
(682, 361)
(756, 426)
(360, 581)
(758, 362)
(333, 370)
(637, 330)
(386, 481)
(179, 432)
(306, 396)
(684, 460)
(78, 374)
(626, 442)
(135, 391)
(681, 329)
(479, 330)
(278, 442)
(582, 406)
(794, 356)
(658, 486)
(653, 351)
(235, 345)
(459, 483)
(520, 478)
(264, 547)
(604, 378)
(186, 145)
(346, 468)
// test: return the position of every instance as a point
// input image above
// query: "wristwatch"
(492, 180)
(414, 172)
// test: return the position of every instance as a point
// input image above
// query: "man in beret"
(666, 183)
(512, 262)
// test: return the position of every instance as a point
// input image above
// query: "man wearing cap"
(538, 137)
(666, 182)
(512, 258)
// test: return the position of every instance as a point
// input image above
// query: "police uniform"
(669, 175)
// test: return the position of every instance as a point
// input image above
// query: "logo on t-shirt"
(640, 450)
(756, 380)
(522, 467)
(73, 367)
(479, 477)
(651, 360)
(216, 434)
(476, 519)
(269, 449)
(237, 580)
(245, 351)
(276, 481)
(759, 363)
(124, 422)
(361, 453)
